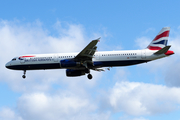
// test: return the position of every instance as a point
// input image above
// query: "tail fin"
(160, 41)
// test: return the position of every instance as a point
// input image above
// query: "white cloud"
(121, 74)
(50, 107)
(62, 105)
(8, 114)
(143, 99)
(172, 77)
(125, 117)
(141, 118)
(131, 98)
(143, 42)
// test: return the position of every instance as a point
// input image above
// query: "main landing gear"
(24, 76)
(89, 76)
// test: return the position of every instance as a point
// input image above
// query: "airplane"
(78, 64)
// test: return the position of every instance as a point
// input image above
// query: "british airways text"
(38, 59)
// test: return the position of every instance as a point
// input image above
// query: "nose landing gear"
(24, 76)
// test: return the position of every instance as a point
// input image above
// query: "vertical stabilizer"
(160, 41)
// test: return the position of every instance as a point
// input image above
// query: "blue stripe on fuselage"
(34, 66)
(118, 63)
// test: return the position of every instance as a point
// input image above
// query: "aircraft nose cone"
(7, 65)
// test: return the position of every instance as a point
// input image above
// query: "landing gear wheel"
(89, 76)
(24, 76)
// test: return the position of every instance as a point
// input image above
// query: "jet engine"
(73, 73)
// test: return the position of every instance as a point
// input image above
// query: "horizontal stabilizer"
(163, 50)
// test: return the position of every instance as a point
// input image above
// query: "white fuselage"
(100, 59)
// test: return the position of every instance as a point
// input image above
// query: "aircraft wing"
(88, 52)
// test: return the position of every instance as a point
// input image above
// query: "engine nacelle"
(73, 73)
(69, 63)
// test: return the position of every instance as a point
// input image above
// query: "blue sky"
(141, 92)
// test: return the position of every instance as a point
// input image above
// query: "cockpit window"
(13, 59)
